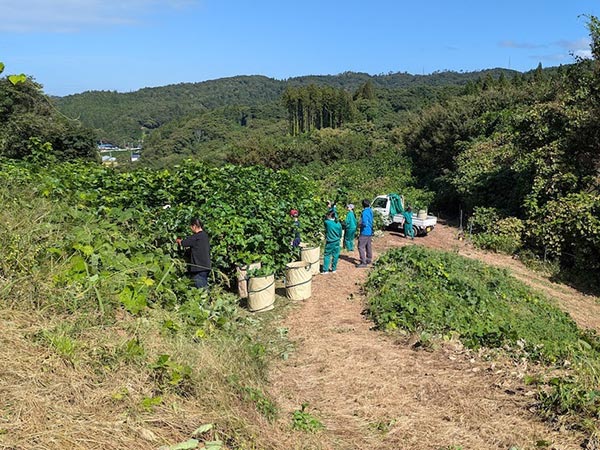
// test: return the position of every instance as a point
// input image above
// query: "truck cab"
(422, 222)
(381, 204)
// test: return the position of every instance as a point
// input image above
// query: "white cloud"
(554, 57)
(74, 15)
(579, 48)
(585, 54)
(579, 44)
(514, 44)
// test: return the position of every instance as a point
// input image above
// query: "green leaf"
(149, 402)
(203, 429)
(213, 445)
(191, 444)
(78, 269)
(161, 362)
(86, 249)
(1, 67)
(134, 301)
(16, 79)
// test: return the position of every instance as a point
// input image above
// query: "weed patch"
(304, 421)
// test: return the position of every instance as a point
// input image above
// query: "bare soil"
(379, 391)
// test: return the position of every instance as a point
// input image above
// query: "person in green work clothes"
(331, 208)
(408, 225)
(333, 235)
(350, 224)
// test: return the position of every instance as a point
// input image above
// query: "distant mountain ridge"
(398, 80)
(123, 116)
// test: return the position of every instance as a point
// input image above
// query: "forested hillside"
(524, 159)
(126, 117)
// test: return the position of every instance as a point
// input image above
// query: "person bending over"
(199, 263)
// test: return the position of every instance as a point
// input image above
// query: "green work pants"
(332, 254)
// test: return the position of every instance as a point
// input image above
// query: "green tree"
(26, 113)
(365, 91)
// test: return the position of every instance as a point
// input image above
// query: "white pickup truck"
(422, 224)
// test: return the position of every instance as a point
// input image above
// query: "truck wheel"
(416, 231)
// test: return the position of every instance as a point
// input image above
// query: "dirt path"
(374, 391)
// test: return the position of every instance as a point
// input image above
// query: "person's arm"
(187, 242)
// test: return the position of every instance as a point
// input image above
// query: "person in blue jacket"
(408, 224)
(333, 235)
(365, 250)
(350, 224)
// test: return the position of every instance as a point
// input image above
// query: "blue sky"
(71, 46)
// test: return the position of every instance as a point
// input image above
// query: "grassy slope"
(73, 378)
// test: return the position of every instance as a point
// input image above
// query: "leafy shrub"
(87, 256)
(486, 175)
(204, 310)
(389, 170)
(492, 232)
(500, 244)
(483, 220)
(378, 223)
(568, 395)
(245, 210)
(425, 290)
(568, 230)
(533, 261)
(262, 271)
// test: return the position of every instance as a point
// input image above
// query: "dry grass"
(92, 398)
